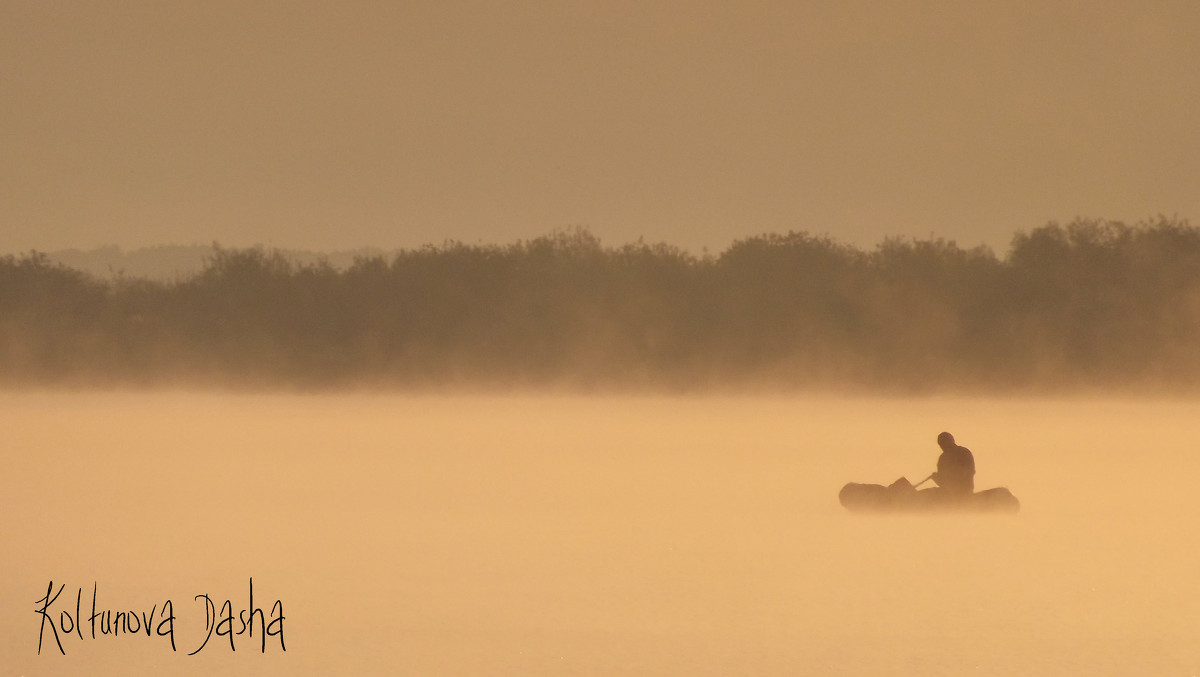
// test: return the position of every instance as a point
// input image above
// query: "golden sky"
(342, 124)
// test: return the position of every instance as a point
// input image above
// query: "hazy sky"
(341, 124)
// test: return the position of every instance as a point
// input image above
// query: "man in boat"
(955, 467)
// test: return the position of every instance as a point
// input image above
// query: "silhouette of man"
(955, 467)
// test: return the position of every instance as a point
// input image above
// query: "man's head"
(945, 440)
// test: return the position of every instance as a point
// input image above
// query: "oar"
(923, 481)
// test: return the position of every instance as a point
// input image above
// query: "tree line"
(1090, 304)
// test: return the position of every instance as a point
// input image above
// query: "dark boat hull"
(902, 497)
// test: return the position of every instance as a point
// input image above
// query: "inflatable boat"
(902, 496)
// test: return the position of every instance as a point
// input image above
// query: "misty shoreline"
(1090, 307)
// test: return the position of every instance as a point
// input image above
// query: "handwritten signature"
(157, 621)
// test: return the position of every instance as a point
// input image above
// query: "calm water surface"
(589, 535)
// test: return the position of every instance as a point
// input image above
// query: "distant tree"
(1091, 303)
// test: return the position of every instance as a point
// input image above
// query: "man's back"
(955, 467)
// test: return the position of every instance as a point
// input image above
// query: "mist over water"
(441, 442)
(593, 535)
